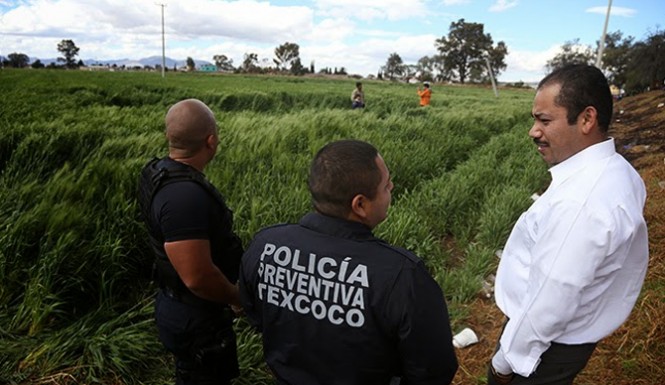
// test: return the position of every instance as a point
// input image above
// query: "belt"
(192, 300)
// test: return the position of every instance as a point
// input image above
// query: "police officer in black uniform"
(337, 305)
(197, 253)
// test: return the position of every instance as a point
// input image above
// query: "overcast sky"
(358, 35)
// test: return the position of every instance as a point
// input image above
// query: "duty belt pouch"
(219, 354)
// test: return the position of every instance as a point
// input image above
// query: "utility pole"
(601, 46)
(163, 45)
(489, 71)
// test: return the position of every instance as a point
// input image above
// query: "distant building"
(208, 68)
(96, 67)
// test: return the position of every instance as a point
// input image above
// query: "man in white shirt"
(575, 261)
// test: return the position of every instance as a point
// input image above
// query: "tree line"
(635, 66)
(466, 54)
(66, 47)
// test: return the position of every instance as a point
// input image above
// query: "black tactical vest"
(152, 179)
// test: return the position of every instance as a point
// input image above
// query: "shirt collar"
(572, 165)
(337, 227)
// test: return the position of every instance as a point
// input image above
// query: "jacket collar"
(337, 227)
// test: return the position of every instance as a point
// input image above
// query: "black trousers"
(559, 365)
(200, 338)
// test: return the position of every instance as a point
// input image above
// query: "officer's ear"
(211, 141)
(359, 206)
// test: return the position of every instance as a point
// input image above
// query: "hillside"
(633, 354)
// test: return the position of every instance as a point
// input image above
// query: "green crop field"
(75, 290)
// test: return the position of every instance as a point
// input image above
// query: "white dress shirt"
(575, 261)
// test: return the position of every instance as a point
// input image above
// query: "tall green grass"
(75, 289)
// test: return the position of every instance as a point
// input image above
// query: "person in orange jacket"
(425, 94)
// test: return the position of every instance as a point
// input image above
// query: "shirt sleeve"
(569, 246)
(424, 337)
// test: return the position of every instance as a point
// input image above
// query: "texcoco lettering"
(319, 286)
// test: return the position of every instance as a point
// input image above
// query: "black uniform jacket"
(337, 305)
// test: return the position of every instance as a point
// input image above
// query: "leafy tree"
(410, 71)
(572, 52)
(18, 60)
(250, 62)
(645, 69)
(616, 56)
(496, 58)
(191, 66)
(223, 63)
(465, 49)
(297, 68)
(37, 64)
(425, 68)
(442, 73)
(285, 55)
(394, 66)
(69, 50)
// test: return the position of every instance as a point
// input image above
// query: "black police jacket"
(337, 305)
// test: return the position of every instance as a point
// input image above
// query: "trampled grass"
(75, 291)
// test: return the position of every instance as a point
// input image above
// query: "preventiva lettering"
(320, 286)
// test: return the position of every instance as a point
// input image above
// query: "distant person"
(197, 252)
(575, 261)
(358, 97)
(337, 305)
(425, 94)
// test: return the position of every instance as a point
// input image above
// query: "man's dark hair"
(358, 84)
(582, 85)
(340, 171)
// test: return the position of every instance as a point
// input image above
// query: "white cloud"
(502, 5)
(615, 11)
(243, 19)
(332, 30)
(371, 9)
(455, 2)
(358, 35)
(528, 66)
(121, 28)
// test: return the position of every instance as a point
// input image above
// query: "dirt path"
(634, 354)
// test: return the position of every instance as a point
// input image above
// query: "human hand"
(239, 311)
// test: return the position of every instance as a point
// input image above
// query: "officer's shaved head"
(188, 124)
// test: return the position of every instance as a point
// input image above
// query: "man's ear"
(358, 204)
(589, 119)
(210, 141)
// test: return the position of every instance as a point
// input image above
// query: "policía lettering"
(318, 286)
